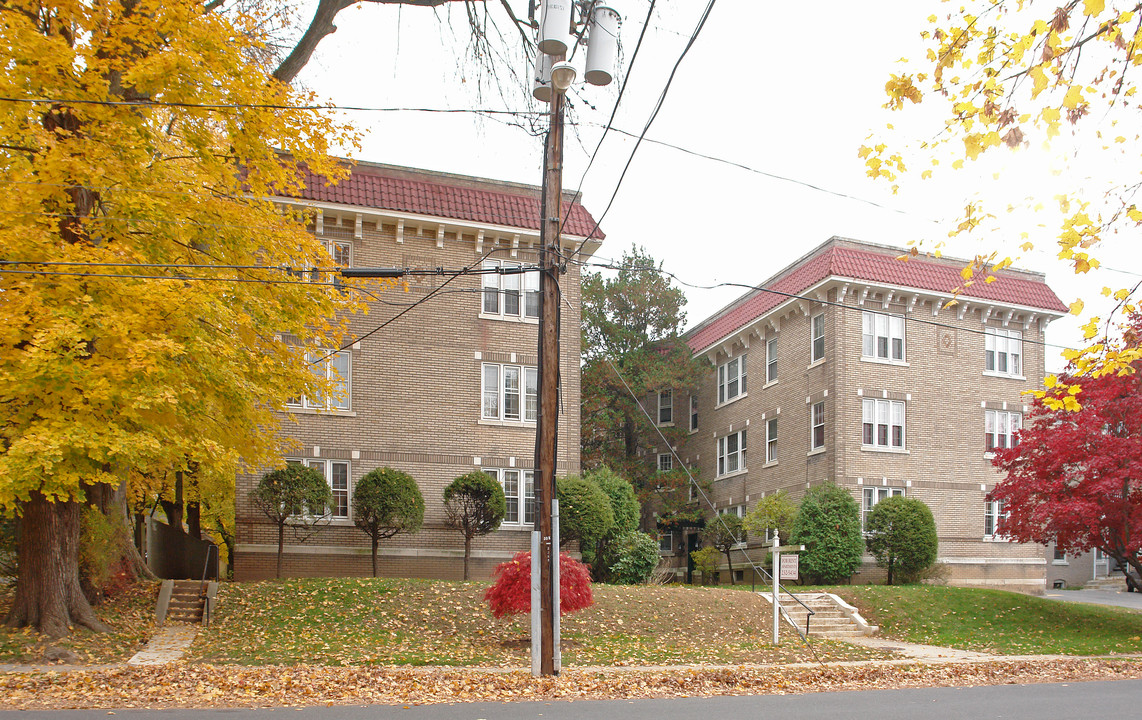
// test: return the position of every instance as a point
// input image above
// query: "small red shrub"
(511, 593)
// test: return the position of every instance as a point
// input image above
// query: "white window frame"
(693, 413)
(1003, 352)
(666, 543)
(999, 428)
(502, 290)
(817, 338)
(993, 510)
(665, 407)
(771, 361)
(324, 364)
(882, 337)
(665, 462)
(732, 380)
(731, 452)
(519, 494)
(522, 393)
(887, 414)
(341, 507)
(817, 421)
(870, 496)
(771, 441)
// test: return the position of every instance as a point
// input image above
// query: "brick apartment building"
(852, 371)
(447, 388)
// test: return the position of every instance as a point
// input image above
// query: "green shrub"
(723, 533)
(624, 505)
(475, 505)
(773, 512)
(706, 562)
(902, 537)
(101, 543)
(828, 525)
(633, 557)
(387, 502)
(584, 514)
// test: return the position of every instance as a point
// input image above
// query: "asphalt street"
(1117, 598)
(1059, 701)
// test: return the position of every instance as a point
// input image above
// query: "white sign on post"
(789, 567)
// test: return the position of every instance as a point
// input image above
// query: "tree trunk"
(730, 567)
(281, 547)
(194, 520)
(467, 553)
(48, 596)
(173, 508)
(375, 543)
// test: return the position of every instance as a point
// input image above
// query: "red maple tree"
(511, 593)
(1075, 477)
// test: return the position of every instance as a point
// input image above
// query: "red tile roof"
(874, 266)
(444, 196)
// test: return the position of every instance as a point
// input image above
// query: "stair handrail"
(782, 589)
(202, 591)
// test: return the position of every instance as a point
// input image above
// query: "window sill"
(890, 451)
(815, 363)
(516, 527)
(816, 451)
(884, 361)
(315, 411)
(1005, 376)
(771, 463)
(729, 475)
(693, 430)
(731, 400)
(769, 384)
(996, 539)
(507, 423)
(666, 424)
(1060, 562)
(510, 318)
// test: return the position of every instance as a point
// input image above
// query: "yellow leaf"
(1074, 97)
(1093, 7)
(1077, 307)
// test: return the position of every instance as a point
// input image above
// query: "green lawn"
(365, 621)
(995, 620)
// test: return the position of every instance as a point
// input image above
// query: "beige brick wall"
(415, 406)
(943, 385)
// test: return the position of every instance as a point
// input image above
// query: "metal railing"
(204, 587)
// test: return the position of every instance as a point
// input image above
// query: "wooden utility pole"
(547, 424)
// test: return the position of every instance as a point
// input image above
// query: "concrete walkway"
(167, 646)
(920, 652)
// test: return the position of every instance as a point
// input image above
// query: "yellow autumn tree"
(139, 328)
(1012, 76)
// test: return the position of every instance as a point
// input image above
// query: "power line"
(261, 106)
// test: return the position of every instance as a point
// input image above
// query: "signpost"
(781, 566)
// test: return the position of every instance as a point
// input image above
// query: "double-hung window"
(771, 360)
(666, 543)
(731, 453)
(993, 512)
(337, 475)
(1003, 352)
(665, 462)
(731, 380)
(519, 494)
(693, 413)
(882, 337)
(665, 407)
(509, 290)
(771, 440)
(1000, 428)
(883, 422)
(817, 338)
(873, 495)
(817, 423)
(332, 368)
(510, 392)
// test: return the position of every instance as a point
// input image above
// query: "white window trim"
(669, 538)
(889, 320)
(722, 380)
(669, 405)
(813, 358)
(694, 419)
(326, 472)
(528, 282)
(880, 492)
(771, 359)
(991, 418)
(889, 447)
(813, 446)
(522, 498)
(720, 454)
(306, 406)
(501, 420)
(770, 442)
(992, 337)
(669, 461)
(993, 507)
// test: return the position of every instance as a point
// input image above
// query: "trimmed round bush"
(584, 514)
(828, 525)
(633, 557)
(902, 537)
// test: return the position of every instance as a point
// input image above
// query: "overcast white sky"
(786, 89)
